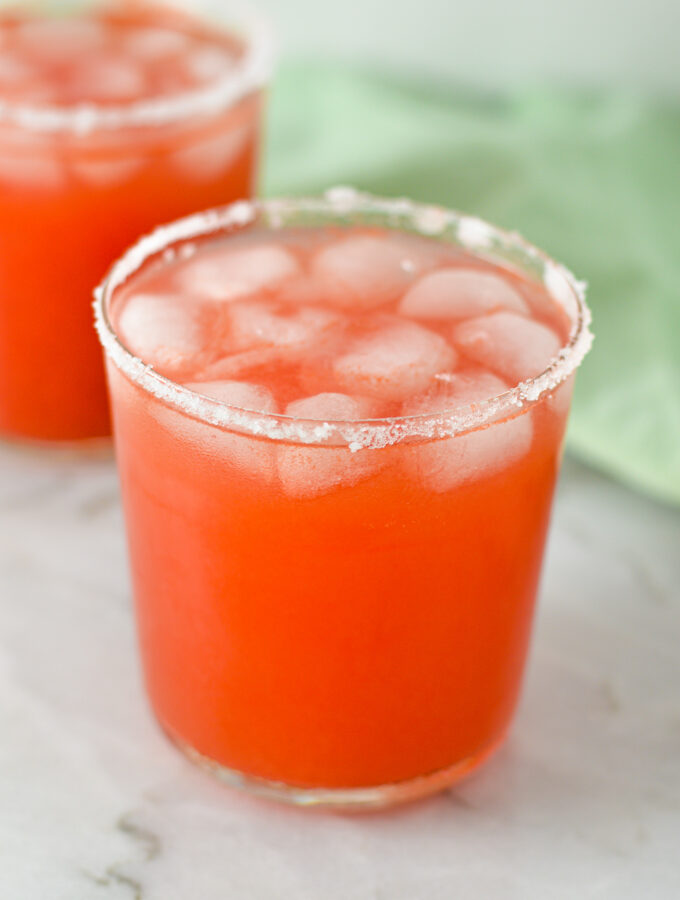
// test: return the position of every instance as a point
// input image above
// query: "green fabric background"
(594, 180)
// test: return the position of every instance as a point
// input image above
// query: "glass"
(359, 647)
(81, 178)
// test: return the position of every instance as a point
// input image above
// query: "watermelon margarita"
(112, 120)
(338, 441)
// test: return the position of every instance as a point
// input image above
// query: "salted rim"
(472, 233)
(252, 72)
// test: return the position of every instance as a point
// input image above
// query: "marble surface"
(583, 801)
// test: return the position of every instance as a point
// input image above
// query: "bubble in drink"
(512, 346)
(459, 294)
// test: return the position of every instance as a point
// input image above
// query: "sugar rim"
(472, 233)
(252, 72)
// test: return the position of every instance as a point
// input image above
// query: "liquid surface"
(339, 324)
(108, 58)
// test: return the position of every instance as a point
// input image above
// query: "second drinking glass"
(113, 118)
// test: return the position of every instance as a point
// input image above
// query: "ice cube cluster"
(50, 66)
(92, 59)
(354, 327)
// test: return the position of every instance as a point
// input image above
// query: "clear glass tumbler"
(81, 178)
(361, 644)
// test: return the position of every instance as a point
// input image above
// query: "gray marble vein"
(583, 801)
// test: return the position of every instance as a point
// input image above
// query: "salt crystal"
(475, 233)
(431, 220)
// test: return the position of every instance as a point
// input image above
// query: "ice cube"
(259, 324)
(61, 40)
(15, 71)
(153, 44)
(208, 63)
(395, 360)
(250, 455)
(109, 78)
(301, 290)
(419, 254)
(34, 171)
(211, 157)
(445, 463)
(311, 471)
(106, 173)
(460, 293)
(241, 394)
(362, 271)
(512, 346)
(236, 364)
(165, 331)
(227, 274)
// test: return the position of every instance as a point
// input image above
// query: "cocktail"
(338, 424)
(113, 118)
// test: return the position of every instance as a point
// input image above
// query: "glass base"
(341, 799)
(86, 448)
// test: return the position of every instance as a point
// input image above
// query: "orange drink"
(338, 425)
(112, 120)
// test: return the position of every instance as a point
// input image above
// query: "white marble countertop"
(583, 801)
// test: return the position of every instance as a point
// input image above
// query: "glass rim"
(472, 233)
(252, 72)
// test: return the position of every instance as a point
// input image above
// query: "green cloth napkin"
(594, 180)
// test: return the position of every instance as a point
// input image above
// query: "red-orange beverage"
(112, 119)
(336, 490)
